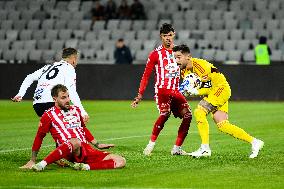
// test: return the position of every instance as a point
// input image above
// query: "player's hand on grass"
(137, 99)
(28, 165)
(17, 99)
(105, 146)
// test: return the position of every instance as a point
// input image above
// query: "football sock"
(226, 127)
(62, 151)
(202, 124)
(158, 126)
(107, 164)
(183, 129)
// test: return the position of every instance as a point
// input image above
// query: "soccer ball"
(190, 84)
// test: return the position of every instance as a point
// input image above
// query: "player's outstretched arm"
(136, 100)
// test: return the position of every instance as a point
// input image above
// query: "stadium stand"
(218, 30)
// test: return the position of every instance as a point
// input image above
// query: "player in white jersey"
(62, 72)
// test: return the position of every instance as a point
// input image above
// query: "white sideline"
(108, 139)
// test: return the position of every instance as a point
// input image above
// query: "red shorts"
(171, 101)
(89, 154)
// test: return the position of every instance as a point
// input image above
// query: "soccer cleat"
(201, 152)
(37, 167)
(149, 148)
(81, 167)
(64, 163)
(178, 151)
(256, 146)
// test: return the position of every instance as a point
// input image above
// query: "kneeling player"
(66, 125)
(217, 95)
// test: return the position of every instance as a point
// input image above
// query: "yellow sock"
(227, 127)
(202, 124)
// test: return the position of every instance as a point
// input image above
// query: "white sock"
(205, 146)
(43, 163)
(176, 147)
(88, 167)
(152, 143)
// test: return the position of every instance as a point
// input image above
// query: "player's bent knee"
(76, 143)
(165, 113)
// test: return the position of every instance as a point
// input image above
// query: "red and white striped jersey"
(62, 125)
(166, 70)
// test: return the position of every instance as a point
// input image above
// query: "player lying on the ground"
(66, 125)
(217, 93)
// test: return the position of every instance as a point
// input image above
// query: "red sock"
(107, 164)
(158, 126)
(62, 151)
(183, 129)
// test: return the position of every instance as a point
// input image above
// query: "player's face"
(168, 39)
(63, 100)
(74, 60)
(181, 59)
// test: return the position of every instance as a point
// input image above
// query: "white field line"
(108, 139)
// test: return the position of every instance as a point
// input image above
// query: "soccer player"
(216, 99)
(167, 96)
(66, 126)
(62, 72)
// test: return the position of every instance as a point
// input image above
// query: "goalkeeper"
(217, 92)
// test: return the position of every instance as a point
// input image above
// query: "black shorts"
(41, 107)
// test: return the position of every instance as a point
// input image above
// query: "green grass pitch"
(129, 129)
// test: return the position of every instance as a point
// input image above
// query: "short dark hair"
(166, 28)
(120, 40)
(58, 88)
(67, 52)
(182, 48)
(262, 40)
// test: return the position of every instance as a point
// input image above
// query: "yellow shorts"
(219, 97)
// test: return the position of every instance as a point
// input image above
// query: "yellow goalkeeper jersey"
(208, 73)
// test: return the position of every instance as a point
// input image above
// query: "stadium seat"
(9, 55)
(216, 44)
(129, 35)
(33, 24)
(141, 57)
(73, 6)
(229, 45)
(71, 43)
(229, 15)
(2, 34)
(183, 35)
(17, 45)
(30, 44)
(154, 34)
(38, 34)
(99, 25)
(12, 35)
(150, 25)
(83, 45)
(109, 45)
(74, 25)
(216, 15)
(208, 54)
(190, 43)
(272, 25)
(250, 34)
(5, 44)
(90, 35)
(276, 56)
(19, 24)
(221, 56)
(7, 24)
(79, 34)
(13, 15)
(125, 25)
(116, 34)
(77, 15)
(203, 44)
(138, 25)
(3, 14)
(243, 45)
(217, 25)
(202, 14)
(60, 24)
(112, 24)
(210, 35)
(149, 45)
(136, 44)
(143, 34)
(65, 34)
(43, 44)
(204, 24)
(236, 34)
(57, 45)
(179, 25)
(277, 34)
(258, 24)
(86, 5)
(245, 24)
(104, 35)
(101, 55)
(234, 55)
(96, 44)
(222, 35)
(51, 34)
(85, 25)
(22, 55)
(48, 24)
(249, 56)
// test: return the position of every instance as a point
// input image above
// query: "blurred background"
(224, 32)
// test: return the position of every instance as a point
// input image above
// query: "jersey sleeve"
(44, 127)
(29, 80)
(151, 62)
(70, 82)
(203, 69)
